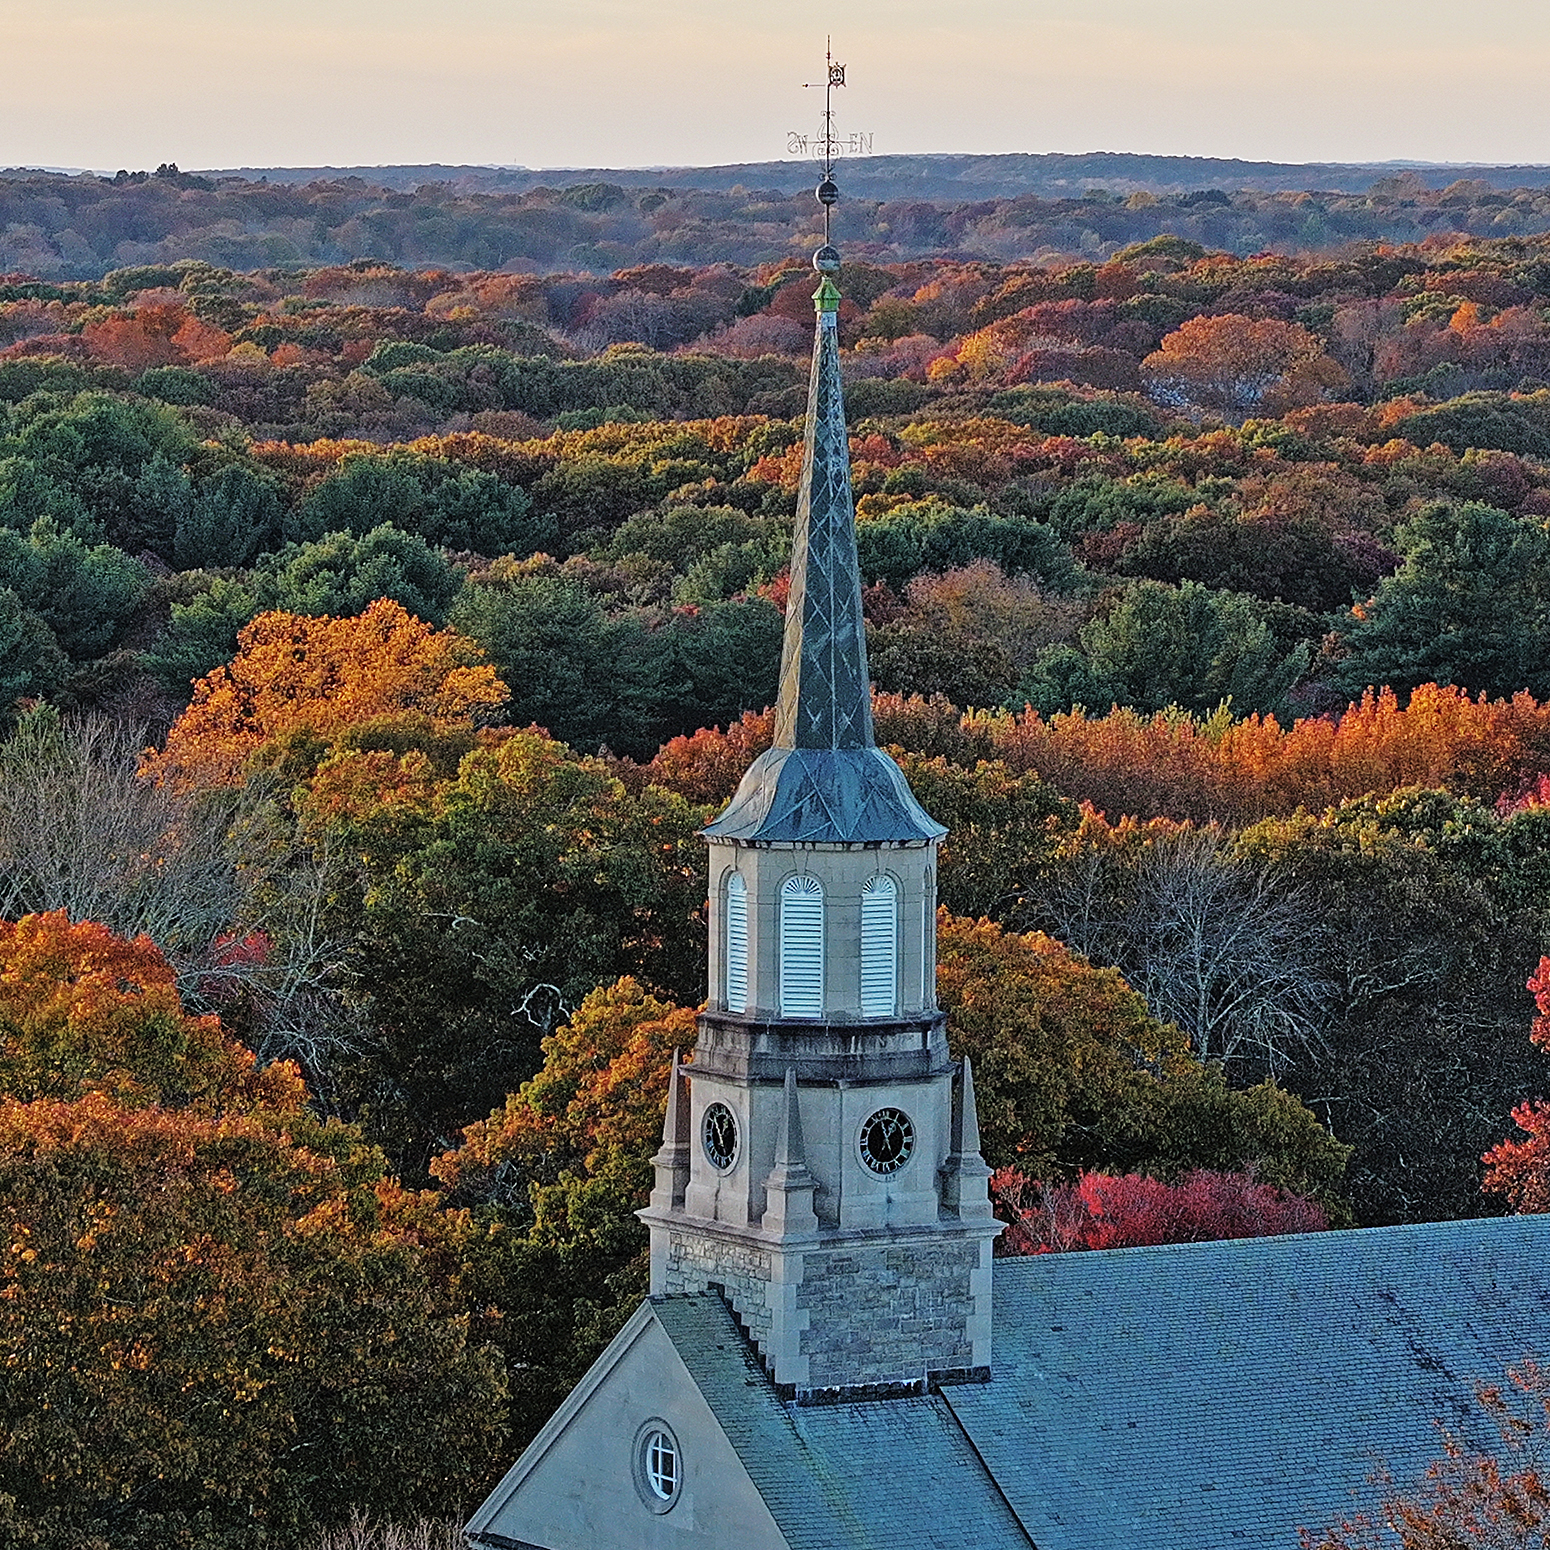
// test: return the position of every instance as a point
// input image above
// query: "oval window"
(658, 1466)
(661, 1465)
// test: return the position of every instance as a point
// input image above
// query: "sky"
(105, 84)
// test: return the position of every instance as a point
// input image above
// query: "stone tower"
(820, 1162)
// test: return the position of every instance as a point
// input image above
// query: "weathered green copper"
(825, 780)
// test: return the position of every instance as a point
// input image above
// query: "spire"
(965, 1139)
(672, 1159)
(788, 1191)
(965, 1190)
(790, 1150)
(825, 781)
(825, 692)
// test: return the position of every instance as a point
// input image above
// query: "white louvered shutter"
(801, 947)
(737, 944)
(879, 948)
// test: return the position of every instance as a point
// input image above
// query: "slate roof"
(845, 1477)
(1211, 1396)
(830, 797)
(824, 781)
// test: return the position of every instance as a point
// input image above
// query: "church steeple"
(824, 1174)
(825, 694)
(825, 780)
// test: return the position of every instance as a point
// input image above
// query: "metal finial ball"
(828, 192)
(827, 259)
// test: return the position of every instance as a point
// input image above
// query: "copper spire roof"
(825, 781)
(825, 694)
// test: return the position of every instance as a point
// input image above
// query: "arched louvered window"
(801, 947)
(737, 943)
(879, 948)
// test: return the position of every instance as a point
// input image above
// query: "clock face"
(718, 1135)
(887, 1139)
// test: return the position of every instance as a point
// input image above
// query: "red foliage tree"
(1520, 1170)
(1105, 1211)
(161, 333)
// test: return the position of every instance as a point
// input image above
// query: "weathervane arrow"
(827, 147)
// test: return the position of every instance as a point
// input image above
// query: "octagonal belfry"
(820, 1161)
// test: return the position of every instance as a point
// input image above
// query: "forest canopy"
(375, 641)
(997, 208)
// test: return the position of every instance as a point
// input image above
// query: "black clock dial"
(718, 1135)
(887, 1139)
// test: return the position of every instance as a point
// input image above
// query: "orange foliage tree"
(576, 1139)
(1237, 771)
(83, 1011)
(1177, 766)
(222, 1325)
(1236, 364)
(563, 1165)
(155, 334)
(300, 677)
(213, 1325)
(707, 765)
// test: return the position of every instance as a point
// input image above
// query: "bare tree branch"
(1219, 945)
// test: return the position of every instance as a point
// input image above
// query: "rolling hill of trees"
(999, 209)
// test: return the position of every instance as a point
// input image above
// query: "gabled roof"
(1218, 1396)
(1208, 1396)
(825, 781)
(1221, 1395)
(845, 1477)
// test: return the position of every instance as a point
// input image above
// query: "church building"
(829, 1356)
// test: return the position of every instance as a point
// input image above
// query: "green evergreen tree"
(84, 595)
(553, 648)
(342, 575)
(366, 492)
(203, 631)
(338, 575)
(31, 662)
(1470, 606)
(235, 516)
(1162, 646)
(162, 505)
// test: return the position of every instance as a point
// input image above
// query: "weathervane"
(827, 148)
